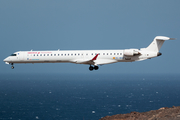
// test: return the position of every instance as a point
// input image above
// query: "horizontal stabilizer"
(164, 38)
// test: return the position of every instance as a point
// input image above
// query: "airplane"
(94, 58)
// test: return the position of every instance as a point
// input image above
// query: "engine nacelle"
(131, 52)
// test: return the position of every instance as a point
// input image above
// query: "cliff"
(163, 113)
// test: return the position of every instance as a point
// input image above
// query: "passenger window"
(54, 54)
(44, 54)
(75, 54)
(107, 53)
(117, 53)
(64, 54)
(71, 54)
(47, 54)
(103, 53)
(92, 53)
(114, 53)
(120, 53)
(110, 53)
(61, 54)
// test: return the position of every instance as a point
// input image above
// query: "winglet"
(95, 57)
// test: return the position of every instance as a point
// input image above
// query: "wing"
(94, 61)
(84, 61)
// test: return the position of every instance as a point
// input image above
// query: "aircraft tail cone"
(159, 54)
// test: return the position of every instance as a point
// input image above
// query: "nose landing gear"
(95, 68)
(12, 66)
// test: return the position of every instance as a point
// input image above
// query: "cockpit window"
(13, 54)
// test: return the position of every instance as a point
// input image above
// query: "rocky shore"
(163, 113)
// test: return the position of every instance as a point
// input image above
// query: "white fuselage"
(89, 57)
(74, 56)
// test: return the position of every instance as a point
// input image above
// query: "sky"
(90, 25)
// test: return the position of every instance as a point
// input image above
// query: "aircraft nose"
(6, 59)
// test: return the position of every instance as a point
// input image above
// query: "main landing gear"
(93, 68)
(12, 66)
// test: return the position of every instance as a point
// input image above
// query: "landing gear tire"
(12, 67)
(91, 68)
(96, 67)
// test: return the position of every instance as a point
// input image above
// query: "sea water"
(84, 96)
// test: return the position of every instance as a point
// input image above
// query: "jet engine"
(131, 52)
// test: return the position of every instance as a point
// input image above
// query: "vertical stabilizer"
(157, 43)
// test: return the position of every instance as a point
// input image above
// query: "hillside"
(163, 113)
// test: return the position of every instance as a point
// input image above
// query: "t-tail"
(157, 43)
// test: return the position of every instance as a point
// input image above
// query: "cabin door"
(21, 56)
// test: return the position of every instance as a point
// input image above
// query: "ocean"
(84, 96)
